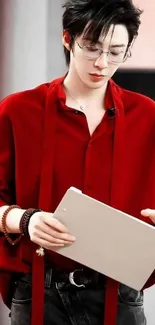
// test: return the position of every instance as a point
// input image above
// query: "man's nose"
(102, 61)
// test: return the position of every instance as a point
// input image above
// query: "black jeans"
(66, 304)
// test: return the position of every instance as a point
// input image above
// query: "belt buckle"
(72, 280)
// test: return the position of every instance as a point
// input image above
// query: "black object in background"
(138, 80)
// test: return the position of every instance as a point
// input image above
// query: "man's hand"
(47, 231)
(149, 213)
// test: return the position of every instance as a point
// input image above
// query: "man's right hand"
(48, 232)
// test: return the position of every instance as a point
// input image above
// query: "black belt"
(82, 277)
(79, 277)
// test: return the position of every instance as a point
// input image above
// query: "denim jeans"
(66, 304)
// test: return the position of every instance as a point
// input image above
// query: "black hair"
(94, 17)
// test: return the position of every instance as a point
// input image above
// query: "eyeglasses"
(92, 52)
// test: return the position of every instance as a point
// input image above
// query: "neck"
(85, 94)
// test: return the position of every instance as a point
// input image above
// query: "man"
(80, 130)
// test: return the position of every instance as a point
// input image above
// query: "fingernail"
(145, 213)
(73, 238)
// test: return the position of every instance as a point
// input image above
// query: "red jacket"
(133, 173)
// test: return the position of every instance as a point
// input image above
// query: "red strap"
(111, 296)
(111, 302)
(37, 290)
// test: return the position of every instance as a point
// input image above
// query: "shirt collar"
(62, 96)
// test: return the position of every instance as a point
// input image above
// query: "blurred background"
(31, 53)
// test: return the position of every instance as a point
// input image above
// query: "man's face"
(94, 73)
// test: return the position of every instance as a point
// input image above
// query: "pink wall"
(144, 47)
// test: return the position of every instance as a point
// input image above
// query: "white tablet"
(107, 240)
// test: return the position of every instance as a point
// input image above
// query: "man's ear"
(66, 39)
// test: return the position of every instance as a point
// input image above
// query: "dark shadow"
(138, 80)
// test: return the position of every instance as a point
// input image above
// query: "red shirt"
(85, 160)
(33, 133)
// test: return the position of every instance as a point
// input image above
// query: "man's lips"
(97, 75)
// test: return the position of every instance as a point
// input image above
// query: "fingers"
(48, 232)
(54, 223)
(149, 213)
(51, 235)
(145, 212)
(46, 244)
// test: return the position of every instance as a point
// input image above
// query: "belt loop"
(48, 278)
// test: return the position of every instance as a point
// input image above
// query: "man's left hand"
(149, 213)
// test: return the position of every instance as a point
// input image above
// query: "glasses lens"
(91, 52)
(116, 57)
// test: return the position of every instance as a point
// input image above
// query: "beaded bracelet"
(4, 226)
(24, 222)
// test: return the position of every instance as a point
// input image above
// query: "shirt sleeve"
(7, 187)
(7, 156)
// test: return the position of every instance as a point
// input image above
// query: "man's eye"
(115, 53)
(92, 49)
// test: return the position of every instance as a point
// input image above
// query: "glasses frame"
(127, 54)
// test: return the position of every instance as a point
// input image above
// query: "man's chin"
(97, 85)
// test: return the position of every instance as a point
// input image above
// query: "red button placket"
(88, 179)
